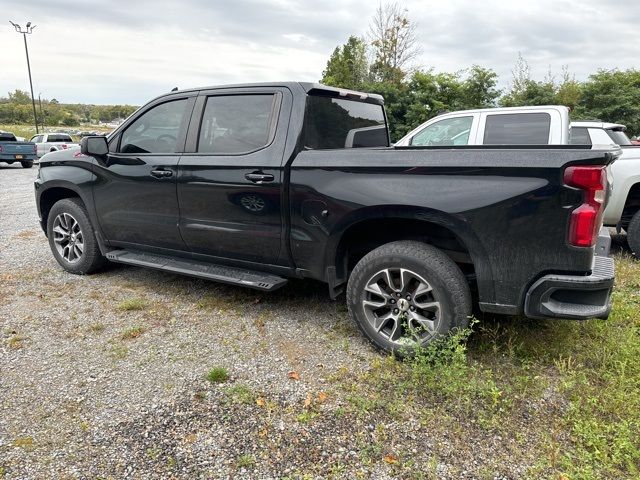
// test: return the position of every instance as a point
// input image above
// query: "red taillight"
(64, 146)
(35, 149)
(587, 218)
(0, 148)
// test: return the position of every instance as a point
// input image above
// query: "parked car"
(623, 209)
(52, 142)
(11, 150)
(408, 233)
(493, 126)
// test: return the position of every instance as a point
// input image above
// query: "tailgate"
(17, 148)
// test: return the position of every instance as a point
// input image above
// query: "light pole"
(28, 29)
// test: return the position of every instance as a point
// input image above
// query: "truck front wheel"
(71, 237)
(405, 294)
(633, 234)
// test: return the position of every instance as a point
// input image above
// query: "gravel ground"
(104, 376)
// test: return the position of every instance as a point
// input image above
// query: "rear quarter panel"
(509, 207)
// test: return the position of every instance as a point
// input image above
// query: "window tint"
(236, 124)
(517, 129)
(59, 138)
(580, 136)
(619, 137)
(36, 139)
(338, 123)
(447, 132)
(156, 131)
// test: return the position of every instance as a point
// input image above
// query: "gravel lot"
(105, 376)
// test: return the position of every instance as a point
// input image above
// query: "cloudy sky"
(114, 51)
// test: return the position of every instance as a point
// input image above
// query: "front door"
(135, 195)
(230, 180)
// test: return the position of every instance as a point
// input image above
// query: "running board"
(195, 268)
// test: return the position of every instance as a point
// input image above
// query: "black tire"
(633, 234)
(91, 258)
(27, 163)
(448, 288)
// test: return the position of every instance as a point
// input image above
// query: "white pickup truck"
(623, 208)
(52, 142)
(541, 125)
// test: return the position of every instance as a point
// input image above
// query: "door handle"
(161, 173)
(259, 177)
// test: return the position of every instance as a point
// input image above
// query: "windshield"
(619, 137)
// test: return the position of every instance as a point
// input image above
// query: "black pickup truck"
(251, 184)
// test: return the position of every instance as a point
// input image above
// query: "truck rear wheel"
(27, 163)
(633, 234)
(405, 294)
(72, 239)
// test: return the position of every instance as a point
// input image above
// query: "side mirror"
(94, 146)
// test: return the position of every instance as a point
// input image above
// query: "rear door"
(231, 174)
(539, 127)
(135, 195)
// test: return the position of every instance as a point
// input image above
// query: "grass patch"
(132, 333)
(16, 342)
(241, 394)
(118, 352)
(23, 442)
(132, 304)
(96, 327)
(245, 461)
(218, 375)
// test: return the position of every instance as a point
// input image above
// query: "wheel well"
(368, 235)
(49, 198)
(631, 205)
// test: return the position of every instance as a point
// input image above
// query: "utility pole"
(41, 112)
(27, 31)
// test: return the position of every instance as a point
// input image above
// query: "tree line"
(381, 62)
(16, 108)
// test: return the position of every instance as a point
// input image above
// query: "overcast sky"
(114, 51)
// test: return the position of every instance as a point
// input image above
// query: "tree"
(526, 91)
(394, 41)
(613, 96)
(569, 92)
(347, 67)
(20, 97)
(479, 88)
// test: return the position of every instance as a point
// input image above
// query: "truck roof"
(308, 87)
(604, 125)
(505, 109)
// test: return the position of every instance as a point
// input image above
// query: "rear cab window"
(580, 136)
(7, 137)
(59, 138)
(618, 136)
(517, 129)
(333, 123)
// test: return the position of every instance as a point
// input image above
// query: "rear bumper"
(575, 296)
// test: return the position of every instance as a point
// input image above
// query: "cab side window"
(447, 132)
(156, 130)
(233, 124)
